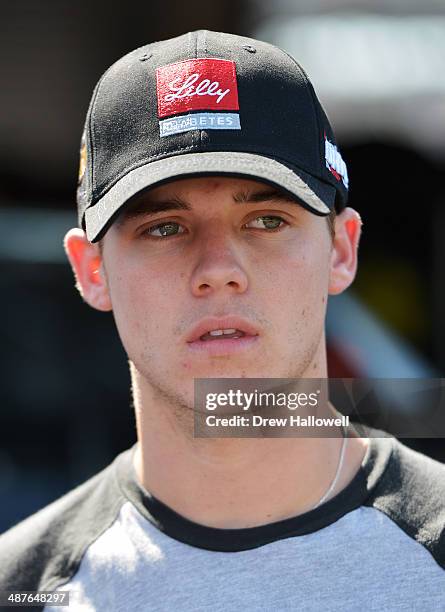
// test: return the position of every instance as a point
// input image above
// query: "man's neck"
(233, 482)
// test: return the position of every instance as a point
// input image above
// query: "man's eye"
(266, 222)
(165, 229)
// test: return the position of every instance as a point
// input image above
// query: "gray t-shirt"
(377, 545)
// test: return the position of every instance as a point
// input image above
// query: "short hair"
(331, 223)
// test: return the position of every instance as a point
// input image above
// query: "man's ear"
(344, 250)
(87, 264)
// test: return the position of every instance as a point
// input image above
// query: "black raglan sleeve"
(412, 494)
(44, 551)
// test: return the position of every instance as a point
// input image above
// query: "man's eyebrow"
(147, 207)
(266, 195)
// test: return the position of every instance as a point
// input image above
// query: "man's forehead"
(180, 195)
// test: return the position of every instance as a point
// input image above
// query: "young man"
(209, 183)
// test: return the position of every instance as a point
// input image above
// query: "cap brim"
(314, 194)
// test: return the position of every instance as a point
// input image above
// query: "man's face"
(218, 247)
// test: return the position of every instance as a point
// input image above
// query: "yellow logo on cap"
(83, 159)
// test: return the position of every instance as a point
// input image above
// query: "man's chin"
(226, 367)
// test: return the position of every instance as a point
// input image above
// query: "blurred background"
(378, 69)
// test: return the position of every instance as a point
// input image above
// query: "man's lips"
(220, 323)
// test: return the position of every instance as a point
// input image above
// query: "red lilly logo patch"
(192, 85)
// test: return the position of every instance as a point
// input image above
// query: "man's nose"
(219, 266)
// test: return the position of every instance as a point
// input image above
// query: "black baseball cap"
(205, 103)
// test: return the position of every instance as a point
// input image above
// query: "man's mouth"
(222, 334)
(216, 336)
(221, 328)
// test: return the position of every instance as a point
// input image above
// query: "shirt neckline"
(194, 534)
